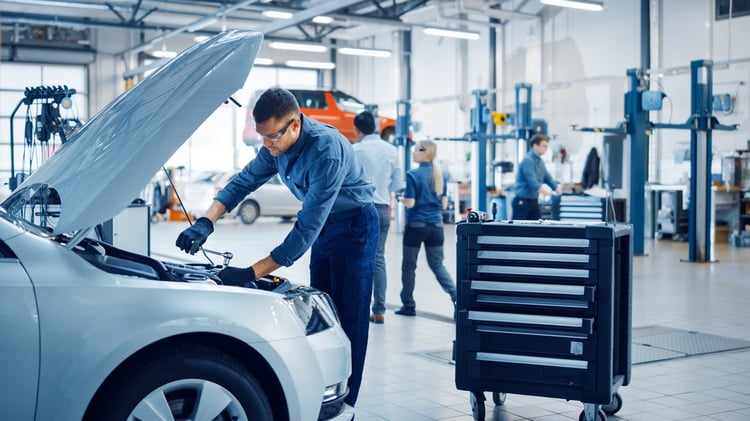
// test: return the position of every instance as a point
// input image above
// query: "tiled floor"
(406, 377)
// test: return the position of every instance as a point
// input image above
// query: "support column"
(701, 243)
(638, 130)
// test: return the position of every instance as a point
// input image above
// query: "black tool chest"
(544, 308)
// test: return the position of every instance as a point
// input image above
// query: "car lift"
(481, 116)
(701, 123)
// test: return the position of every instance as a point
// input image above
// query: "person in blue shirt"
(337, 219)
(425, 200)
(533, 178)
(383, 168)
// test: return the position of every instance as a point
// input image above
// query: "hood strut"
(80, 235)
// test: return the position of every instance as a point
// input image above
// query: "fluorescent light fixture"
(200, 38)
(164, 54)
(322, 20)
(311, 64)
(368, 52)
(451, 33)
(263, 61)
(276, 14)
(293, 46)
(591, 5)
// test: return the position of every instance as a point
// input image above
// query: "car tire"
(248, 211)
(182, 382)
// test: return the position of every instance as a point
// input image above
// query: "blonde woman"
(425, 200)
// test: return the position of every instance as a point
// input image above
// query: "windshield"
(23, 224)
(348, 103)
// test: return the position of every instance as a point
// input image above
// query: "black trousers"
(525, 209)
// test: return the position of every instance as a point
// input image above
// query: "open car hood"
(101, 169)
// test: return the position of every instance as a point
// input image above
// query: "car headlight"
(335, 392)
(315, 310)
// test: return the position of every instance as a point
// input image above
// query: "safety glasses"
(276, 136)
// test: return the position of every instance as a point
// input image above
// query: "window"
(739, 8)
(311, 99)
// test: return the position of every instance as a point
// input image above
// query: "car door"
(348, 107)
(19, 347)
(275, 199)
(318, 105)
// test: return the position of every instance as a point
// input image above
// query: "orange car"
(327, 106)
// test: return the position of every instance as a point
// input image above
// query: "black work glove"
(191, 240)
(238, 276)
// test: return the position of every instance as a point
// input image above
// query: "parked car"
(94, 332)
(327, 106)
(271, 199)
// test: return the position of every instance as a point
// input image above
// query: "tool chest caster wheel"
(499, 398)
(613, 406)
(600, 416)
(477, 405)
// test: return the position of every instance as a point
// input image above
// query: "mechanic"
(338, 218)
(383, 168)
(531, 179)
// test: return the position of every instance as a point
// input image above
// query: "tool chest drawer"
(529, 296)
(554, 336)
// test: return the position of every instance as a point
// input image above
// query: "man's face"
(540, 148)
(279, 134)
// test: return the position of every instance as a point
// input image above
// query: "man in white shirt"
(383, 169)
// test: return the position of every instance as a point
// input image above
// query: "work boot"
(377, 318)
(406, 311)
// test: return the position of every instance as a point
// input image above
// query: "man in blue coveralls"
(338, 219)
(531, 179)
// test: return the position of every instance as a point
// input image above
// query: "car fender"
(80, 301)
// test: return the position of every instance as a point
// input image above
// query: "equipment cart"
(544, 309)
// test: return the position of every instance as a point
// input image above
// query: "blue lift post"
(700, 214)
(403, 119)
(700, 124)
(524, 129)
(637, 127)
(480, 117)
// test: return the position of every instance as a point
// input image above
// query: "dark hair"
(537, 139)
(365, 122)
(274, 103)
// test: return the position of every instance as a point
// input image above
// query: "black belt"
(382, 206)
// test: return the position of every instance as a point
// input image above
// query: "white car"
(93, 332)
(271, 199)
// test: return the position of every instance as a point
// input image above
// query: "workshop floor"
(703, 308)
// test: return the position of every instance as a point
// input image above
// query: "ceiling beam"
(322, 8)
(191, 26)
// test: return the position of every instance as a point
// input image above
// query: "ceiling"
(69, 23)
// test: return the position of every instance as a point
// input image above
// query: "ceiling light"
(277, 14)
(200, 38)
(452, 33)
(164, 54)
(369, 52)
(311, 64)
(322, 20)
(315, 48)
(591, 5)
(263, 61)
